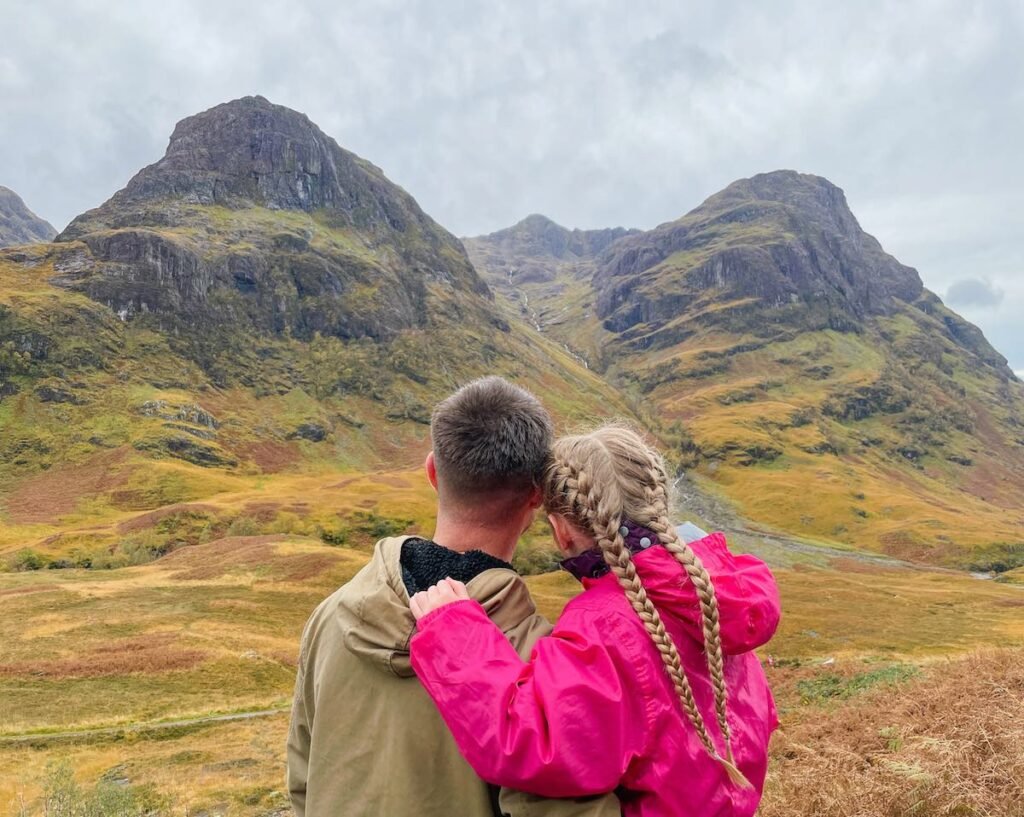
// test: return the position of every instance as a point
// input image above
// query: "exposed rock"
(202, 434)
(188, 413)
(55, 394)
(314, 432)
(190, 450)
(18, 224)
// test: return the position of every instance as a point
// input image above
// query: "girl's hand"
(444, 592)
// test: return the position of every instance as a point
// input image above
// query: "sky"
(595, 113)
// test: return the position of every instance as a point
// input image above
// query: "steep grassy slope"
(805, 372)
(102, 421)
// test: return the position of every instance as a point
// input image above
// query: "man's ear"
(431, 468)
(536, 498)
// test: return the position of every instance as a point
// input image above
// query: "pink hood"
(594, 710)
(748, 598)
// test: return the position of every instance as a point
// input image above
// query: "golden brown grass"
(951, 743)
(89, 649)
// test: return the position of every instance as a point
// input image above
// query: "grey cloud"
(972, 292)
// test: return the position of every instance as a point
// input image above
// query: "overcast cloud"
(594, 113)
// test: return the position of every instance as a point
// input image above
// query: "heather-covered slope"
(802, 369)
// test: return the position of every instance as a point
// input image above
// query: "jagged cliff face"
(780, 238)
(256, 219)
(772, 255)
(18, 224)
(795, 363)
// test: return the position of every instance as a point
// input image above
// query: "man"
(365, 739)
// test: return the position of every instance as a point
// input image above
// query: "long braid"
(601, 510)
(659, 522)
(588, 506)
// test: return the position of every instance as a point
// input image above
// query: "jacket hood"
(373, 608)
(749, 607)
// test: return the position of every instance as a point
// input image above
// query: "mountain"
(18, 224)
(803, 371)
(258, 304)
(545, 256)
(527, 250)
(256, 221)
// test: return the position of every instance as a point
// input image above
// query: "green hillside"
(801, 370)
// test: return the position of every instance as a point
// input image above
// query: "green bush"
(64, 797)
(25, 560)
(534, 558)
(244, 526)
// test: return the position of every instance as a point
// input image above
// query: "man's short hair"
(490, 436)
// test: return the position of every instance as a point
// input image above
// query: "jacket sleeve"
(748, 597)
(299, 742)
(567, 724)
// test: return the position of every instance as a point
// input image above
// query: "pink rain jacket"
(594, 709)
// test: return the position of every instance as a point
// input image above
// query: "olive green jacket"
(365, 739)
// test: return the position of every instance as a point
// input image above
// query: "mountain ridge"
(776, 342)
(18, 224)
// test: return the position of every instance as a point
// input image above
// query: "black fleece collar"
(425, 563)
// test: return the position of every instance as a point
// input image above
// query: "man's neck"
(463, 535)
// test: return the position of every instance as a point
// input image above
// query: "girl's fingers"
(444, 592)
(416, 607)
(458, 588)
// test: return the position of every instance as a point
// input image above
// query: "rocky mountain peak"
(538, 236)
(813, 197)
(256, 221)
(782, 238)
(251, 152)
(18, 224)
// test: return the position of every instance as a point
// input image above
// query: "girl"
(647, 685)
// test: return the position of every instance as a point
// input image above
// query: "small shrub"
(25, 560)
(336, 536)
(244, 526)
(64, 797)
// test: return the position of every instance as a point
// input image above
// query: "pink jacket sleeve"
(567, 724)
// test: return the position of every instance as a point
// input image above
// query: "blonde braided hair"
(597, 481)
